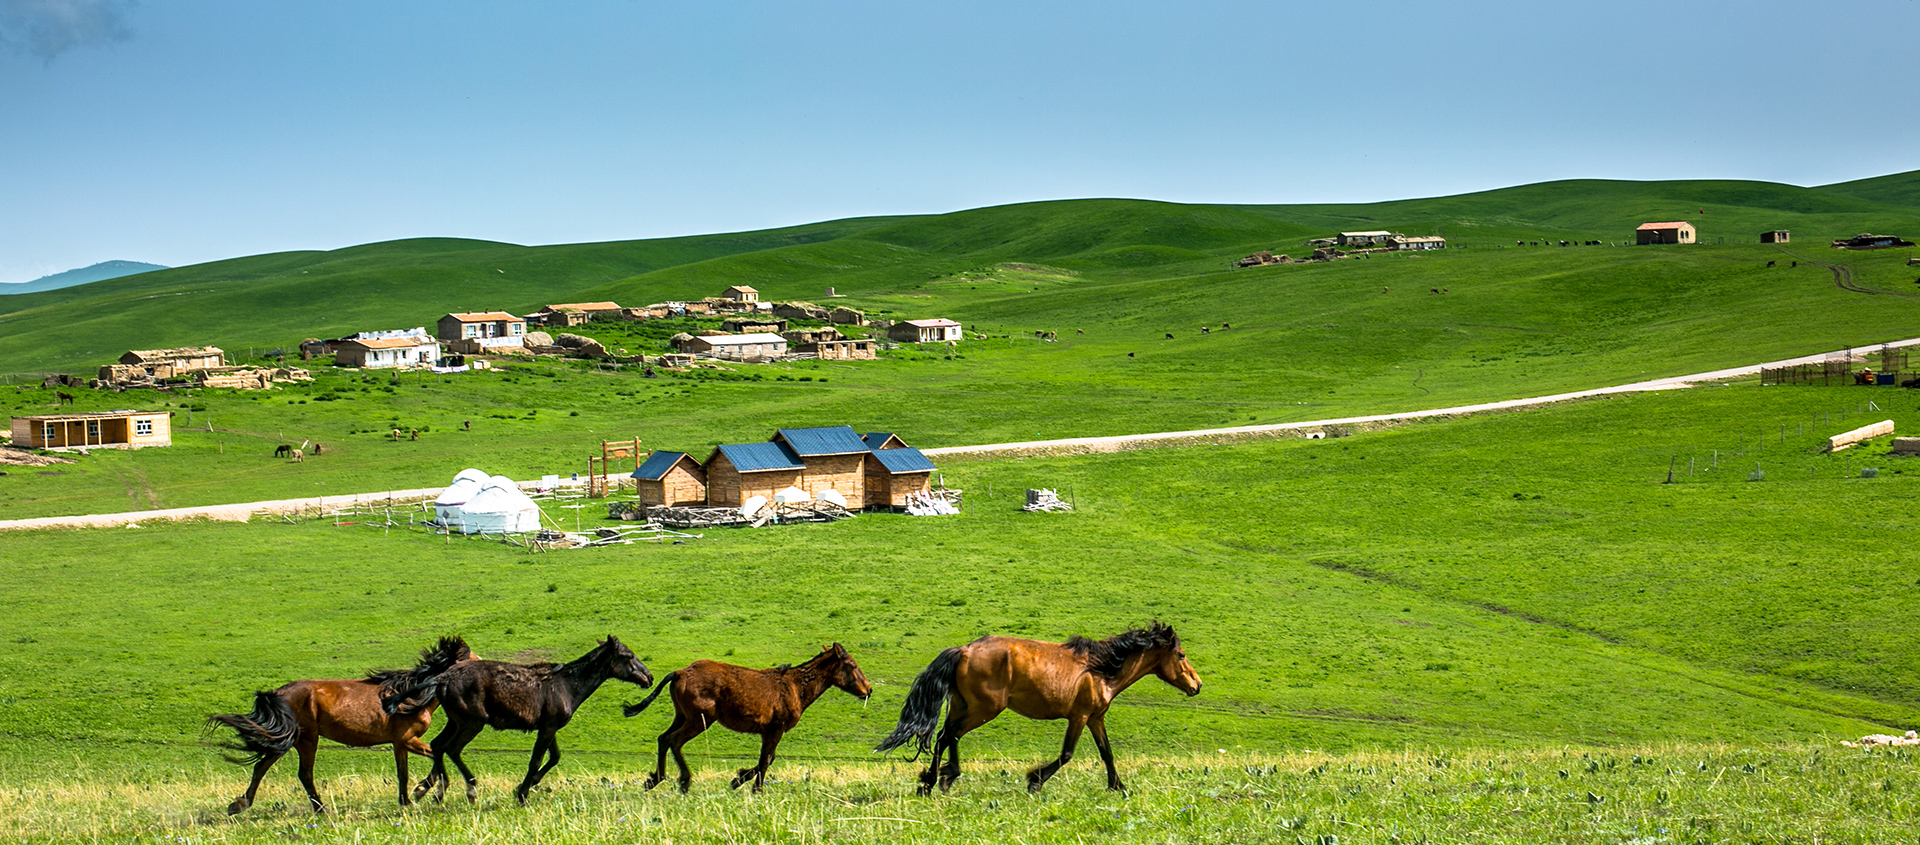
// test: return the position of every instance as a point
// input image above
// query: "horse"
(540, 697)
(61, 397)
(317, 448)
(350, 712)
(1769, 264)
(1076, 681)
(296, 456)
(1169, 337)
(768, 702)
(283, 450)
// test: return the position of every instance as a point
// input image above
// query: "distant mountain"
(97, 273)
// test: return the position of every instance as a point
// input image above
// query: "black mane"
(1104, 657)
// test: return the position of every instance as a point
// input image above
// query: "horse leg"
(455, 745)
(660, 763)
(687, 732)
(1097, 725)
(400, 771)
(415, 745)
(931, 776)
(768, 741)
(1038, 776)
(307, 744)
(259, 771)
(969, 719)
(544, 745)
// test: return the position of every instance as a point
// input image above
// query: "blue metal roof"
(875, 438)
(829, 440)
(906, 459)
(760, 457)
(656, 465)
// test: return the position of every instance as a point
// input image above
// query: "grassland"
(1494, 588)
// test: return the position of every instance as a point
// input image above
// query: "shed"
(1777, 236)
(894, 474)
(737, 472)
(1679, 232)
(752, 325)
(1370, 238)
(843, 316)
(741, 293)
(755, 347)
(673, 479)
(576, 313)
(850, 349)
(175, 362)
(834, 457)
(924, 331)
(104, 430)
(883, 440)
(1419, 244)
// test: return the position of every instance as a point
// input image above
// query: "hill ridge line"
(243, 511)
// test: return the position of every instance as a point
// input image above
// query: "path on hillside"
(243, 511)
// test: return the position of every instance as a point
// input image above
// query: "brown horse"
(478, 694)
(1076, 681)
(349, 712)
(767, 702)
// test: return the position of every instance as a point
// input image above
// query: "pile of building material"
(930, 503)
(1906, 445)
(1044, 500)
(1871, 740)
(695, 517)
(1858, 435)
(1261, 259)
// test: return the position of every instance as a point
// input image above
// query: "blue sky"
(192, 131)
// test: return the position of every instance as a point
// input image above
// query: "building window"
(47, 433)
(93, 429)
(143, 427)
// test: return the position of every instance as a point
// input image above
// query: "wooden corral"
(737, 472)
(834, 457)
(107, 430)
(672, 479)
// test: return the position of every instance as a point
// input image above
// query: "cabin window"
(143, 427)
(93, 429)
(47, 433)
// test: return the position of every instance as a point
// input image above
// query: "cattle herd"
(1075, 681)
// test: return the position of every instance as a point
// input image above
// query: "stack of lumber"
(1045, 500)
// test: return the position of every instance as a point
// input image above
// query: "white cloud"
(47, 28)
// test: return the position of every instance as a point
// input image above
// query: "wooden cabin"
(877, 440)
(673, 479)
(892, 474)
(107, 430)
(737, 472)
(834, 457)
(1777, 236)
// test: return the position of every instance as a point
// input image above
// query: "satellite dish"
(753, 505)
(833, 497)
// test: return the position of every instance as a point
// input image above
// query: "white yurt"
(446, 508)
(498, 507)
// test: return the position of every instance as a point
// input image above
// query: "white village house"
(924, 331)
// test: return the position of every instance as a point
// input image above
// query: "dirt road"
(244, 511)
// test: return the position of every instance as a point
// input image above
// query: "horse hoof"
(652, 781)
(239, 804)
(685, 786)
(924, 789)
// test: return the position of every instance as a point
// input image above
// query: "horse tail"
(269, 731)
(412, 690)
(634, 709)
(921, 714)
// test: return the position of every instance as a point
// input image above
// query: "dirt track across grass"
(242, 512)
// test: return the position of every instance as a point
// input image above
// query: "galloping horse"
(767, 702)
(541, 697)
(1076, 681)
(349, 712)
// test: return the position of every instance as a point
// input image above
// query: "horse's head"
(1172, 666)
(846, 673)
(623, 665)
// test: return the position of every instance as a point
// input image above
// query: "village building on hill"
(1378, 237)
(1870, 241)
(832, 464)
(801, 311)
(1423, 243)
(747, 348)
(105, 430)
(576, 313)
(384, 352)
(924, 331)
(737, 472)
(750, 325)
(1680, 232)
(482, 332)
(172, 363)
(843, 316)
(741, 293)
(1777, 236)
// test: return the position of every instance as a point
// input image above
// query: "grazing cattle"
(1226, 325)
(283, 450)
(1795, 264)
(1769, 264)
(1129, 355)
(1079, 331)
(296, 716)
(1169, 337)
(414, 434)
(297, 456)
(767, 702)
(1433, 290)
(1206, 330)
(1076, 681)
(396, 435)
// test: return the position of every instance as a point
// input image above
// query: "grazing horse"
(297, 456)
(61, 397)
(541, 697)
(283, 450)
(1769, 264)
(767, 702)
(349, 712)
(1076, 681)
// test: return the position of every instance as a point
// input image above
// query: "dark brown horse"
(767, 702)
(349, 712)
(1076, 681)
(542, 697)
